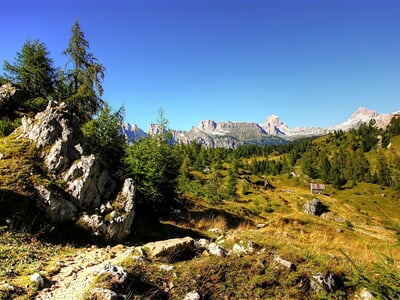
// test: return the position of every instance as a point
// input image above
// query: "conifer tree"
(33, 73)
(382, 170)
(85, 78)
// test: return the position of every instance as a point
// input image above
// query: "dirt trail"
(79, 271)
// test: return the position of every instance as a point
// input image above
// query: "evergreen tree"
(369, 135)
(325, 167)
(396, 172)
(308, 163)
(104, 137)
(155, 166)
(33, 73)
(231, 190)
(392, 130)
(382, 170)
(85, 78)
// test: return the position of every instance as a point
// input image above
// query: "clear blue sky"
(313, 63)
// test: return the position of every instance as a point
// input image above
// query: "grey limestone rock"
(194, 295)
(87, 182)
(314, 207)
(216, 250)
(88, 192)
(58, 209)
(170, 248)
(116, 272)
(326, 281)
(285, 263)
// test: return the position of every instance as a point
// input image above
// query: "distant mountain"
(273, 125)
(273, 131)
(133, 132)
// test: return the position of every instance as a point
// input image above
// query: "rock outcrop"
(81, 185)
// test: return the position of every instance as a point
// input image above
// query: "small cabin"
(317, 188)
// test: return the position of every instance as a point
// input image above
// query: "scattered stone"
(216, 250)
(37, 280)
(202, 243)
(339, 219)
(325, 216)
(261, 225)
(217, 231)
(253, 247)
(102, 294)
(171, 248)
(365, 294)
(117, 272)
(327, 282)
(167, 268)
(8, 287)
(238, 249)
(339, 230)
(192, 296)
(287, 264)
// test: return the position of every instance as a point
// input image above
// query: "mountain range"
(273, 131)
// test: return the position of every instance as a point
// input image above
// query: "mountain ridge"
(231, 134)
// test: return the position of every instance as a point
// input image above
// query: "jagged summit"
(364, 115)
(273, 125)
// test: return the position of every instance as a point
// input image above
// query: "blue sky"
(313, 63)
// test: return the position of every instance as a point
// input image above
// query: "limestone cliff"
(81, 190)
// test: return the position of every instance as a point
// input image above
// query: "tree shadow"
(147, 227)
(232, 220)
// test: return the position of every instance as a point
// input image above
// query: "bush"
(7, 126)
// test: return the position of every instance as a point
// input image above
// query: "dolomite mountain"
(212, 134)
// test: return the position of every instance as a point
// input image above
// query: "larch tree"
(85, 78)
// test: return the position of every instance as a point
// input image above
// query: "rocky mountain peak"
(363, 113)
(274, 125)
(208, 126)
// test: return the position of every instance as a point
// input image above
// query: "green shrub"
(7, 126)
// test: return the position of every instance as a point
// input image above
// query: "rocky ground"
(79, 271)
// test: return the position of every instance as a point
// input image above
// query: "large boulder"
(314, 207)
(170, 249)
